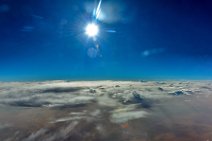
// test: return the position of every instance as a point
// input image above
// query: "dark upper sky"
(153, 39)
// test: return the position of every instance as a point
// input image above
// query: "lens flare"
(92, 30)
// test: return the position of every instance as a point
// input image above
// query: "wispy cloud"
(151, 52)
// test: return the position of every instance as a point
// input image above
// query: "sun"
(92, 30)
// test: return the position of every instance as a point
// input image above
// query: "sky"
(138, 39)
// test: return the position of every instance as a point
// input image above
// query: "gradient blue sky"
(154, 39)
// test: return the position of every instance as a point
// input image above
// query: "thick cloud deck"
(60, 110)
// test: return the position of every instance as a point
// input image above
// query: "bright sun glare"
(92, 30)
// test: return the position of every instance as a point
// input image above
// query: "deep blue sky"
(154, 39)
